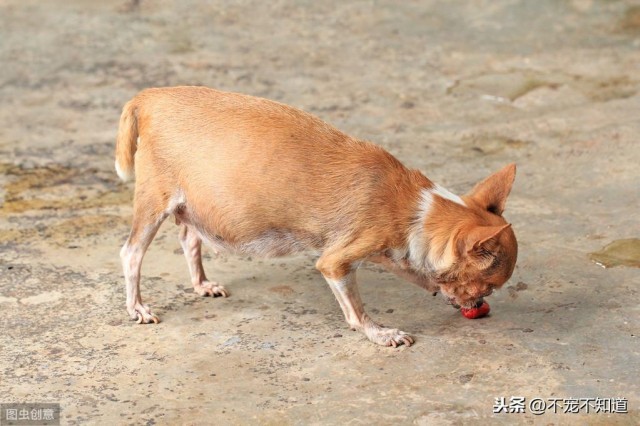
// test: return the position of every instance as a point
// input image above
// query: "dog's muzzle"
(453, 303)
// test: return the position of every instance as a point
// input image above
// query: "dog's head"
(471, 247)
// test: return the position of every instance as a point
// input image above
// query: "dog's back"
(235, 158)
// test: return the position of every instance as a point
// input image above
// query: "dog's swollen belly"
(272, 242)
(252, 176)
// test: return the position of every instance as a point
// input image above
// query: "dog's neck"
(421, 252)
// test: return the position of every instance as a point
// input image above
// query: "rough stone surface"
(457, 89)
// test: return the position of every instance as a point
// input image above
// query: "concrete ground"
(457, 89)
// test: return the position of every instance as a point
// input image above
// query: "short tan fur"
(255, 176)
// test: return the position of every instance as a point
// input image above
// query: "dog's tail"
(127, 142)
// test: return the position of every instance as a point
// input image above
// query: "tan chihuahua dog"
(258, 177)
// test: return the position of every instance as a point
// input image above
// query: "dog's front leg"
(342, 280)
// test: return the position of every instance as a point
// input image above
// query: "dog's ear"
(492, 192)
(481, 239)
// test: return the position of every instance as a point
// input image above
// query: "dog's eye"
(495, 263)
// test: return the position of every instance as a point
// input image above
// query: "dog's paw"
(389, 337)
(208, 288)
(142, 314)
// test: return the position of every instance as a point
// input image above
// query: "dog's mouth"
(452, 301)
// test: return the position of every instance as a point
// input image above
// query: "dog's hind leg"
(149, 211)
(192, 248)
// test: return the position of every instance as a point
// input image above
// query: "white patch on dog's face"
(446, 194)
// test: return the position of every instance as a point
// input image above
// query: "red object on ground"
(477, 312)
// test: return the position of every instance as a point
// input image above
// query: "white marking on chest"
(446, 194)
(418, 244)
(422, 254)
